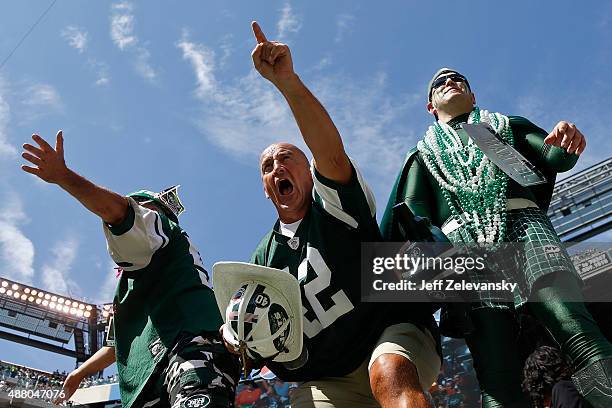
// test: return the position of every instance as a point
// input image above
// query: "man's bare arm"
(98, 362)
(273, 61)
(50, 166)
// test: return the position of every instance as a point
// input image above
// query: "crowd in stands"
(457, 386)
(16, 377)
(28, 378)
(264, 393)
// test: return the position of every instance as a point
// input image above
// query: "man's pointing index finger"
(259, 35)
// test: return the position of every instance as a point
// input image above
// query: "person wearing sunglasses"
(165, 317)
(450, 181)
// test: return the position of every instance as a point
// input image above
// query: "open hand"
(71, 384)
(272, 59)
(567, 136)
(49, 162)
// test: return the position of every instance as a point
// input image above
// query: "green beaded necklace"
(474, 188)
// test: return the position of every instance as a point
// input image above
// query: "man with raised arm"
(449, 180)
(355, 354)
(166, 320)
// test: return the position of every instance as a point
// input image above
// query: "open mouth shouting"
(284, 187)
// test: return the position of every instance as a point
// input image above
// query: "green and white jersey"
(324, 254)
(163, 290)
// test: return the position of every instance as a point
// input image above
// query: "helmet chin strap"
(242, 348)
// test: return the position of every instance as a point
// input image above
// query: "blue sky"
(151, 94)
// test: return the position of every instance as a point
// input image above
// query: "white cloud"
(323, 62)
(288, 23)
(5, 113)
(76, 37)
(122, 25)
(102, 71)
(42, 96)
(56, 272)
(201, 60)
(242, 117)
(226, 49)
(344, 24)
(122, 34)
(372, 123)
(142, 65)
(16, 250)
(107, 291)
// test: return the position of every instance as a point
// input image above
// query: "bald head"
(274, 148)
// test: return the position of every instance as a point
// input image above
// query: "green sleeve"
(529, 140)
(417, 191)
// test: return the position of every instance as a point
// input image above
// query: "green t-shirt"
(163, 290)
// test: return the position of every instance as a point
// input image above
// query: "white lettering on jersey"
(197, 262)
(342, 304)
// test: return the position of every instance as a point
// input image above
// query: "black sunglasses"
(442, 80)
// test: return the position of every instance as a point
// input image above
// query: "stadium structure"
(580, 210)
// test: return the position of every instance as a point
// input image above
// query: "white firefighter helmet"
(262, 310)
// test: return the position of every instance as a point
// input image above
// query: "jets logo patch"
(552, 249)
(196, 401)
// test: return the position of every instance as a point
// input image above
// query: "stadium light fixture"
(56, 303)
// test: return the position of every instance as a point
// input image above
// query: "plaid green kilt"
(540, 253)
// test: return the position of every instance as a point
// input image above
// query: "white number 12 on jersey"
(342, 304)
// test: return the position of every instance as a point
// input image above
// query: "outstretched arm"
(98, 362)
(50, 166)
(273, 61)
